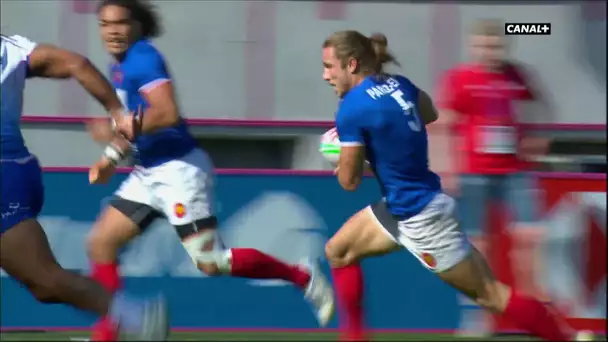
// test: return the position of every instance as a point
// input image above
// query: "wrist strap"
(113, 154)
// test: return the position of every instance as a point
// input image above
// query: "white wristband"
(113, 154)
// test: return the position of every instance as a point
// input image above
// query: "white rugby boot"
(143, 320)
(584, 335)
(155, 321)
(319, 293)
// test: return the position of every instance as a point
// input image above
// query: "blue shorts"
(22, 191)
(519, 192)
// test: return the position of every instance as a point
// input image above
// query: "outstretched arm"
(49, 61)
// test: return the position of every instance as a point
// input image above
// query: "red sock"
(536, 318)
(251, 263)
(108, 276)
(348, 283)
(104, 331)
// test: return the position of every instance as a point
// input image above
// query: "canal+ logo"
(528, 29)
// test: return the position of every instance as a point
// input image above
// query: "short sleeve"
(24, 45)
(348, 124)
(449, 95)
(151, 71)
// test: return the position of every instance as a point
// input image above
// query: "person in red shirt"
(489, 149)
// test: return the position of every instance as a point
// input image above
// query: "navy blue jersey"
(21, 181)
(381, 114)
(142, 69)
(14, 57)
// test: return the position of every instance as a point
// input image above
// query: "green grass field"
(254, 336)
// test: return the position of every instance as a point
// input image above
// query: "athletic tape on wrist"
(113, 153)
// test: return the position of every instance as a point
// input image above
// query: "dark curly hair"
(141, 11)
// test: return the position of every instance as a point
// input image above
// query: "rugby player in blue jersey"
(25, 253)
(173, 177)
(381, 119)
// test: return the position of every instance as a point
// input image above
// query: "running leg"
(122, 221)
(363, 235)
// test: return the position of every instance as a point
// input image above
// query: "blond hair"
(488, 27)
(371, 53)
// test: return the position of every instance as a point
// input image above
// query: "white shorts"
(181, 189)
(433, 236)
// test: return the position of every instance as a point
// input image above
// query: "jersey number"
(409, 110)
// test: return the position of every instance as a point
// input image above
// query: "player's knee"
(336, 255)
(213, 263)
(210, 269)
(201, 249)
(331, 252)
(101, 245)
(97, 244)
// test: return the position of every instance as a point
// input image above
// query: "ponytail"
(379, 44)
(370, 52)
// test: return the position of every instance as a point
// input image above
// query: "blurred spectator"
(488, 147)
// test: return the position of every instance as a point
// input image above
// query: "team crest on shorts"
(179, 210)
(429, 260)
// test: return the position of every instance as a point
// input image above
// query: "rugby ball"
(330, 146)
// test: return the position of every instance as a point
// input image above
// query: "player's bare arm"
(351, 165)
(48, 61)
(115, 151)
(163, 111)
(534, 104)
(427, 110)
